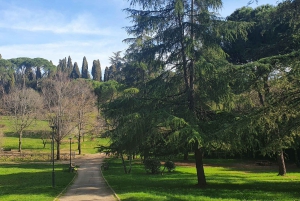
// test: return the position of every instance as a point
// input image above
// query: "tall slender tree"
(106, 73)
(75, 72)
(69, 66)
(96, 70)
(85, 69)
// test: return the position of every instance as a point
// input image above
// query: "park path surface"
(89, 184)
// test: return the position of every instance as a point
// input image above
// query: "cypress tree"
(112, 73)
(96, 70)
(69, 66)
(75, 72)
(62, 65)
(38, 73)
(85, 70)
(106, 74)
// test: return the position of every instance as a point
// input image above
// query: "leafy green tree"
(25, 72)
(265, 118)
(7, 76)
(75, 72)
(96, 70)
(183, 36)
(85, 69)
(272, 33)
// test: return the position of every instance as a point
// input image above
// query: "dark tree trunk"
(58, 150)
(281, 163)
(186, 156)
(146, 155)
(20, 141)
(199, 166)
(79, 144)
(123, 162)
(296, 158)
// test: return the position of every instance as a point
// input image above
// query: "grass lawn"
(32, 142)
(32, 181)
(231, 181)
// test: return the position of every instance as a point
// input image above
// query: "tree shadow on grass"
(32, 179)
(180, 185)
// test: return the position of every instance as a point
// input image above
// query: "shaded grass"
(32, 181)
(224, 183)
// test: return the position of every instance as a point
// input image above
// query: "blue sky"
(54, 29)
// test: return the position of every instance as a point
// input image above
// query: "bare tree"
(23, 106)
(60, 99)
(85, 104)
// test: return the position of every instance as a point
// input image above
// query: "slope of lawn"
(32, 142)
(225, 182)
(32, 182)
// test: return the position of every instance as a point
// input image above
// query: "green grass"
(32, 181)
(32, 142)
(231, 182)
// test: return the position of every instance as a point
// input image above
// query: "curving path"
(89, 184)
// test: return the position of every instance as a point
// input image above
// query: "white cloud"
(92, 50)
(50, 21)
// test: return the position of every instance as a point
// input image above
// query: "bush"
(152, 165)
(170, 165)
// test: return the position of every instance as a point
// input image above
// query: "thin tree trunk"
(79, 143)
(296, 158)
(281, 163)
(20, 141)
(124, 164)
(186, 155)
(199, 166)
(58, 150)
(130, 159)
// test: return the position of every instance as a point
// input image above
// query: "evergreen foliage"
(177, 43)
(75, 72)
(96, 70)
(85, 69)
(69, 66)
(105, 79)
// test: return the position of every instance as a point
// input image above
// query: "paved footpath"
(89, 184)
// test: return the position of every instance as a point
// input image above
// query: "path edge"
(65, 189)
(116, 196)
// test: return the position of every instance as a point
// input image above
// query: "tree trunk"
(130, 160)
(281, 163)
(296, 158)
(20, 141)
(58, 150)
(123, 162)
(79, 144)
(186, 156)
(199, 166)
(146, 155)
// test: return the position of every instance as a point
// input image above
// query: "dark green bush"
(152, 165)
(170, 165)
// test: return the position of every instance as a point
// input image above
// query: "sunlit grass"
(224, 183)
(32, 182)
(32, 142)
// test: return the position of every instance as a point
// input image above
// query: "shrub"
(170, 165)
(152, 165)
